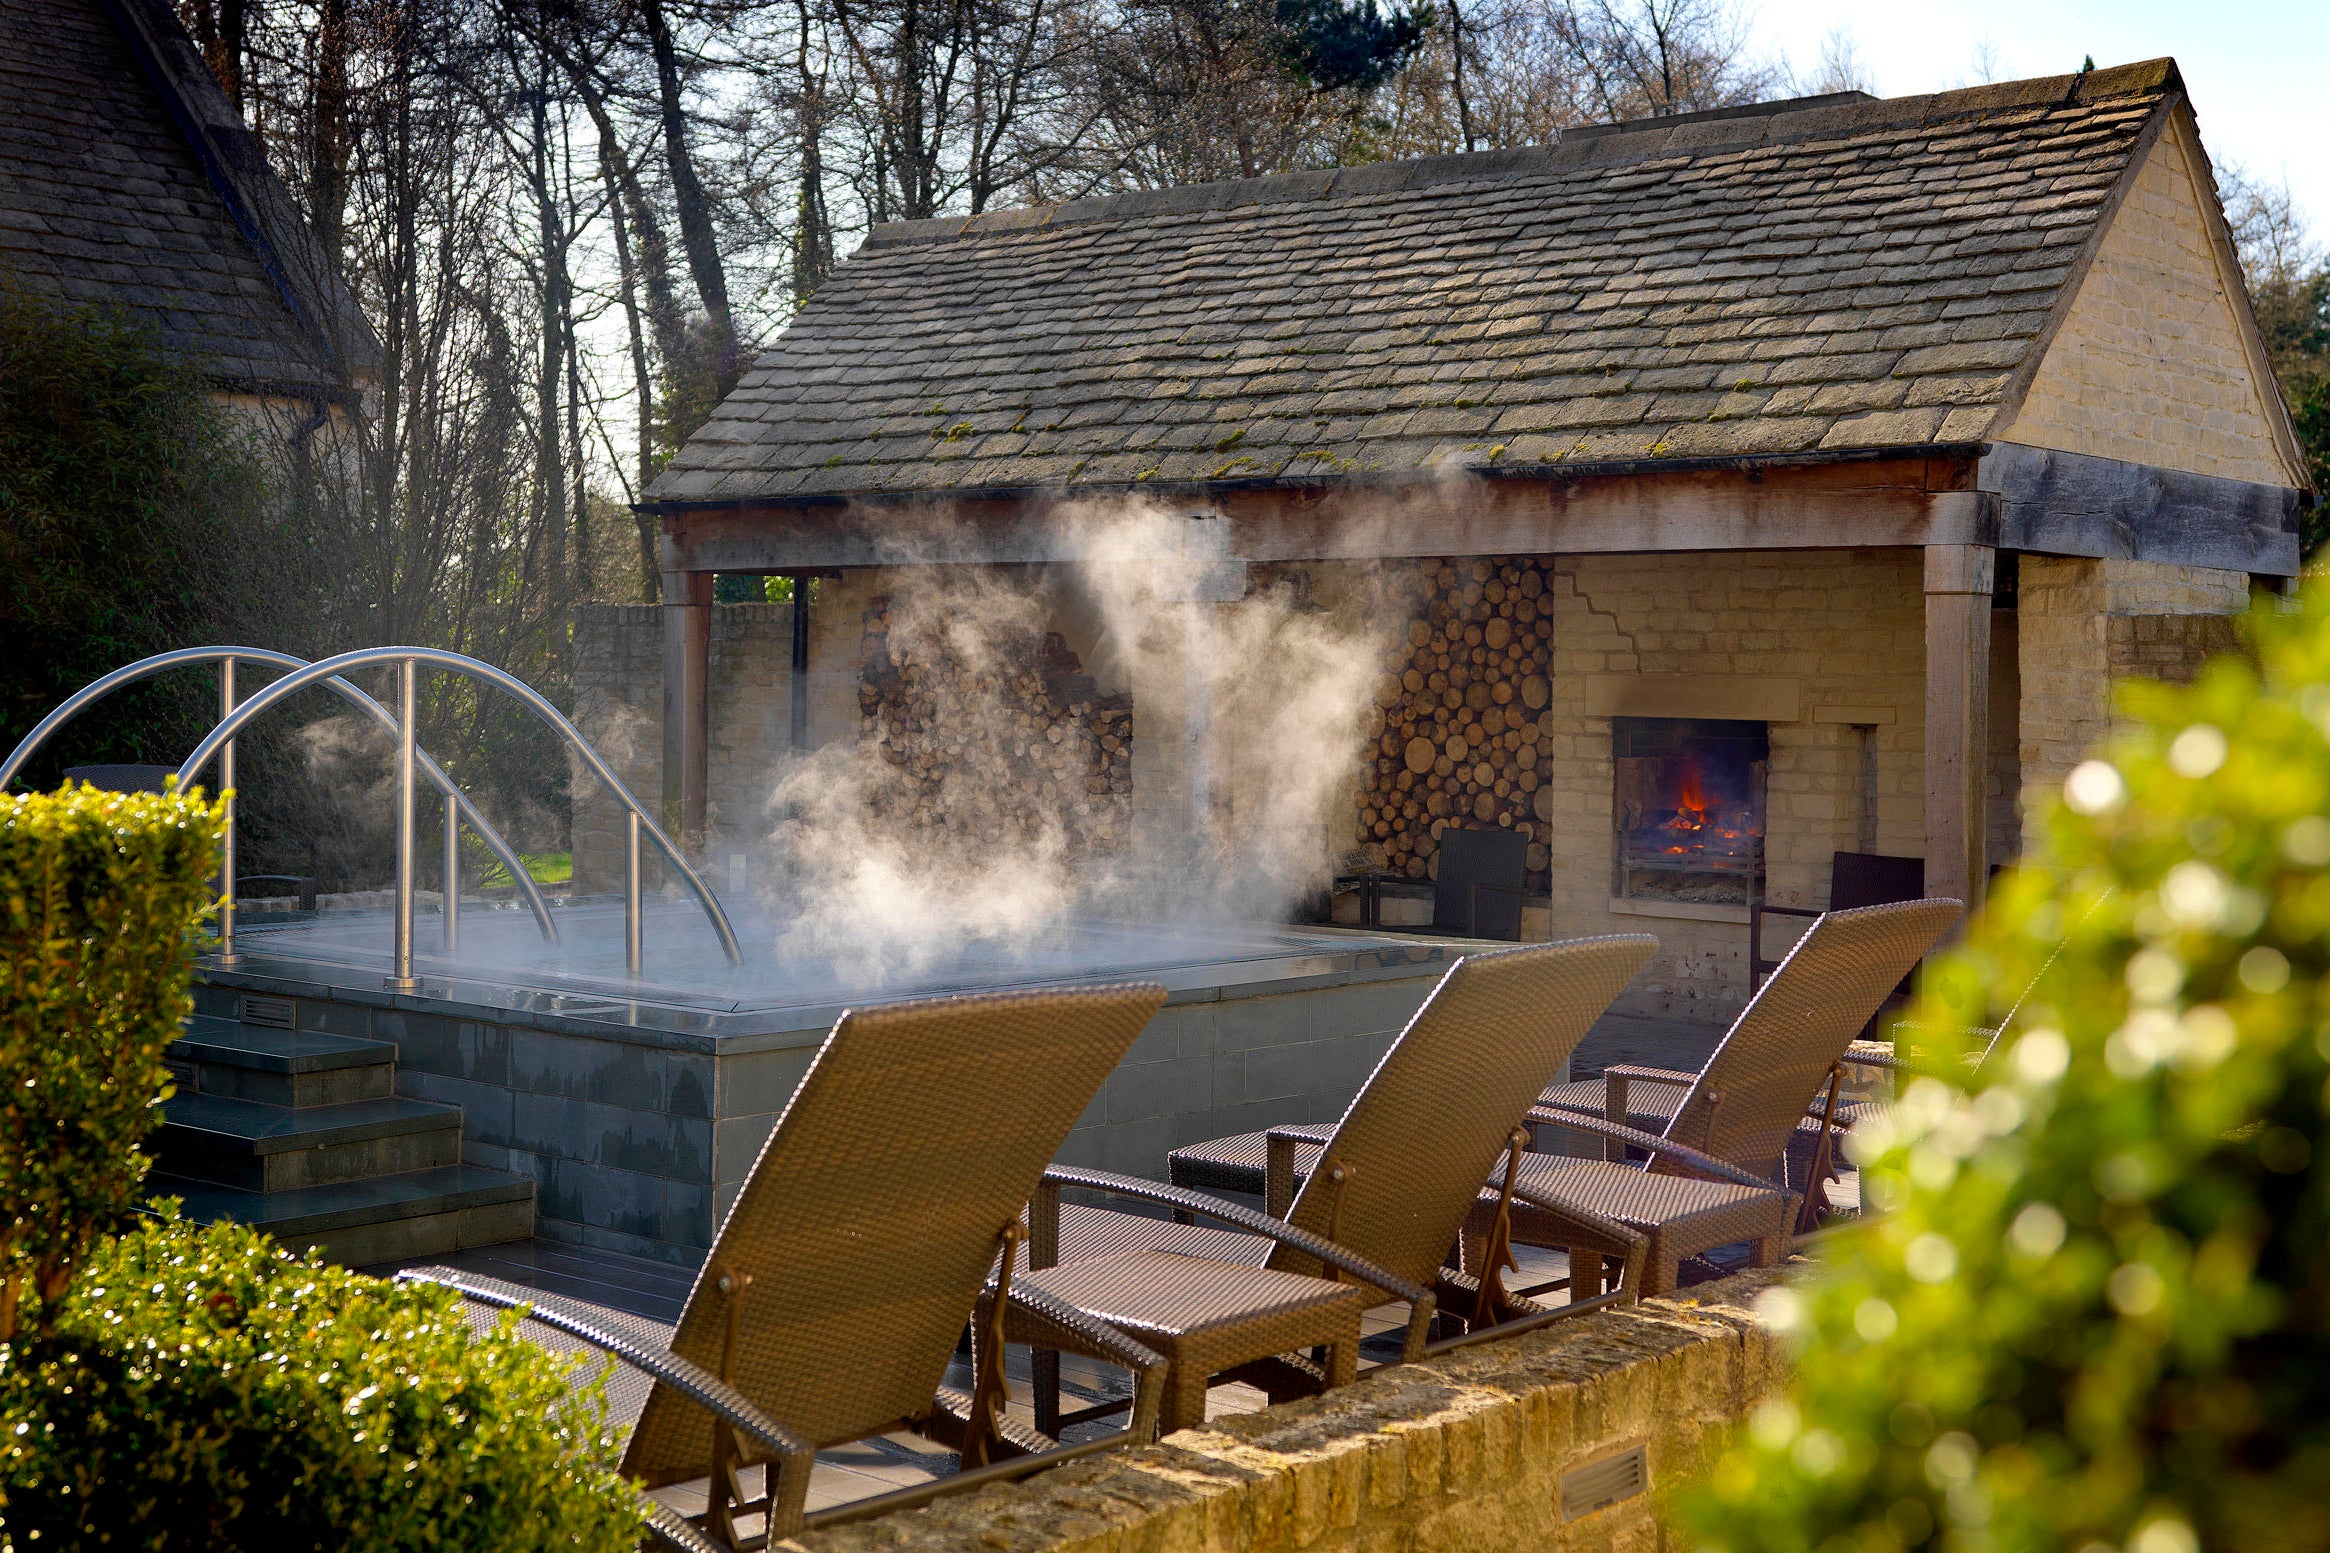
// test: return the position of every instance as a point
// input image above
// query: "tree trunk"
(813, 229)
(328, 135)
(549, 460)
(233, 45)
(696, 233)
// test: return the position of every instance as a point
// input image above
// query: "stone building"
(1794, 478)
(128, 179)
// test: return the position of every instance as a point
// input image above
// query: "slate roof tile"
(1840, 274)
(104, 197)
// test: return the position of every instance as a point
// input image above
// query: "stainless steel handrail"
(228, 657)
(532, 700)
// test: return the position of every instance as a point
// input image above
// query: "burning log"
(1465, 737)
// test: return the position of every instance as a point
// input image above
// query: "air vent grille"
(1604, 1483)
(267, 1013)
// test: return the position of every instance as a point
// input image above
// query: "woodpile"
(1008, 747)
(1461, 731)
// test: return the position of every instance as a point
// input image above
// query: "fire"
(1691, 800)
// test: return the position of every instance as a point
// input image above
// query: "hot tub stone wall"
(1455, 1454)
(639, 1137)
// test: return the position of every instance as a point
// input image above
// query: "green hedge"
(99, 897)
(202, 1389)
(2094, 1313)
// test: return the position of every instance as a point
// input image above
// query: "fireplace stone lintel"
(1737, 697)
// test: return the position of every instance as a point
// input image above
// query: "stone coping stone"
(734, 1032)
(1466, 1450)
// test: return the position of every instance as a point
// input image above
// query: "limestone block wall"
(618, 706)
(1845, 628)
(2168, 647)
(1471, 1450)
(2149, 365)
(2083, 624)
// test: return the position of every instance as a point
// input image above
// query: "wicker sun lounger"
(838, 1285)
(1647, 1098)
(1716, 1174)
(1398, 1176)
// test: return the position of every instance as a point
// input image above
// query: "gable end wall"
(2150, 365)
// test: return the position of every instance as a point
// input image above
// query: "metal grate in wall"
(1601, 1484)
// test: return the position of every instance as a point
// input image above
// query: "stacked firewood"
(1461, 732)
(1006, 747)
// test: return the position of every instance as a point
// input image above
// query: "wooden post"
(1958, 584)
(687, 704)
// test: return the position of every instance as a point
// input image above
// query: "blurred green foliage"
(203, 1389)
(127, 498)
(2093, 1312)
(99, 897)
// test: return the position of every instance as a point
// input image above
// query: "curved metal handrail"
(146, 668)
(527, 696)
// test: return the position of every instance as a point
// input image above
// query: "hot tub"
(638, 1107)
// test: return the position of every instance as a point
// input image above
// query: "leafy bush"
(99, 895)
(2095, 1314)
(202, 1389)
(128, 499)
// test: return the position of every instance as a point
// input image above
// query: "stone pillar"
(1958, 585)
(687, 705)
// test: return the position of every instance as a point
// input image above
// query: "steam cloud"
(1249, 707)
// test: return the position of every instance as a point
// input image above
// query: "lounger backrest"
(1428, 1124)
(868, 1225)
(1747, 1100)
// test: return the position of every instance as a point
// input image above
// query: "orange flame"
(1691, 800)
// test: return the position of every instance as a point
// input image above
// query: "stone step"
(296, 1068)
(419, 1214)
(270, 1148)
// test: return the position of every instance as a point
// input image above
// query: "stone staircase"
(303, 1135)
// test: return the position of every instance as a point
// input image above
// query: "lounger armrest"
(1242, 1218)
(1311, 1132)
(1108, 1342)
(673, 1530)
(692, 1381)
(1622, 1234)
(1669, 1076)
(1603, 1127)
(1883, 1061)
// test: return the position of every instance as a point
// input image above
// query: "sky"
(2258, 70)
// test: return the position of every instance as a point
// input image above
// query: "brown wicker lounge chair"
(1398, 1176)
(834, 1293)
(1716, 1174)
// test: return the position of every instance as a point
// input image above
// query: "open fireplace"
(1689, 808)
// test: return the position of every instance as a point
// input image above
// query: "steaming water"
(1250, 702)
(685, 969)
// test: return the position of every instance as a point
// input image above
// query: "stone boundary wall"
(1464, 1453)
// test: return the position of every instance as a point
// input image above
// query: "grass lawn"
(542, 867)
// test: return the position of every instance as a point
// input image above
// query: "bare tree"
(1645, 58)
(1841, 68)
